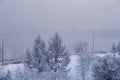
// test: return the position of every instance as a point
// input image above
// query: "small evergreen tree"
(37, 58)
(58, 56)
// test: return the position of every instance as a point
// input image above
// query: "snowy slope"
(12, 68)
(73, 64)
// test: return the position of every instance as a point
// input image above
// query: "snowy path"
(73, 64)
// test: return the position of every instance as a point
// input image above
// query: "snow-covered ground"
(73, 64)
(12, 68)
(102, 55)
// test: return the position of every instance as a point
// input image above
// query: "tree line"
(54, 58)
(50, 62)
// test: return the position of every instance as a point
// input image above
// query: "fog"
(75, 20)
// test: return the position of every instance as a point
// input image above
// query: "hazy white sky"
(22, 20)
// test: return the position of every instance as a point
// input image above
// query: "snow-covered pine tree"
(58, 56)
(37, 58)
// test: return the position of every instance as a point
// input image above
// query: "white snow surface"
(73, 66)
(102, 55)
(12, 68)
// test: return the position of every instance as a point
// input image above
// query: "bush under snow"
(107, 68)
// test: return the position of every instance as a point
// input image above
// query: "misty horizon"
(75, 20)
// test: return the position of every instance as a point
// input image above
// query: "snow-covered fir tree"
(37, 57)
(58, 56)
